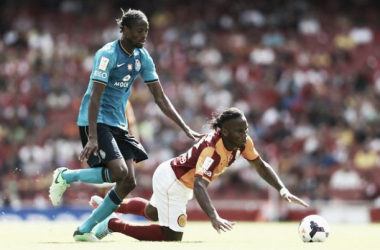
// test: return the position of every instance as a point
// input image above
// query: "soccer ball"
(313, 228)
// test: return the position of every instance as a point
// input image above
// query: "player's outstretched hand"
(297, 200)
(221, 224)
(292, 198)
(91, 147)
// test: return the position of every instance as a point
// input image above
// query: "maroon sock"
(146, 233)
(134, 206)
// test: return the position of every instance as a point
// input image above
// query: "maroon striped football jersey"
(209, 158)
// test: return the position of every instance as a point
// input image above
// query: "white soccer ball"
(314, 228)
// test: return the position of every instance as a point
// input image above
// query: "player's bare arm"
(93, 111)
(168, 109)
(201, 194)
(267, 173)
(131, 119)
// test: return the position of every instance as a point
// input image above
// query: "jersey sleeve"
(104, 62)
(250, 152)
(148, 71)
(205, 161)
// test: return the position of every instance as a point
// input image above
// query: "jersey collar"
(125, 51)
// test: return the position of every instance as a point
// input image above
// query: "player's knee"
(172, 235)
(118, 173)
(151, 212)
(128, 184)
(123, 172)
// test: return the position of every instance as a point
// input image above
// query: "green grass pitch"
(198, 235)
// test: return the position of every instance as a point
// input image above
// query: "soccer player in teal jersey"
(108, 147)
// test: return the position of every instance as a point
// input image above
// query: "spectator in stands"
(346, 177)
(366, 158)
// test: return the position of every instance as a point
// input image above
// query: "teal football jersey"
(116, 69)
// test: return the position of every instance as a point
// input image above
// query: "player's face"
(235, 132)
(137, 34)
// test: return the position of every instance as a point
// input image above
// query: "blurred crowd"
(306, 74)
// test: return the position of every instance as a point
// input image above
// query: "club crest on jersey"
(137, 65)
(182, 220)
(230, 158)
(182, 159)
(130, 66)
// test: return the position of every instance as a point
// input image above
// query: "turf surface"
(198, 235)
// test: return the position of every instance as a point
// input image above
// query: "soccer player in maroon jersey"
(176, 180)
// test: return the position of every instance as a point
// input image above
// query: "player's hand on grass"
(91, 147)
(292, 198)
(297, 200)
(221, 224)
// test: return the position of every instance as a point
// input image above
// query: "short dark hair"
(130, 18)
(226, 115)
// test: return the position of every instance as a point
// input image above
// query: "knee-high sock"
(109, 205)
(145, 233)
(134, 206)
(90, 175)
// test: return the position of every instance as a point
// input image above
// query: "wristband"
(284, 192)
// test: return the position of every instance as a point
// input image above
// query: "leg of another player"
(123, 174)
(172, 235)
(63, 177)
(145, 233)
(135, 206)
(151, 212)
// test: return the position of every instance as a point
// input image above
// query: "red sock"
(146, 233)
(134, 206)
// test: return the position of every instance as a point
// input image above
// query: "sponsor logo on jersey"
(130, 66)
(182, 220)
(122, 84)
(100, 74)
(126, 78)
(137, 65)
(103, 63)
(206, 165)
